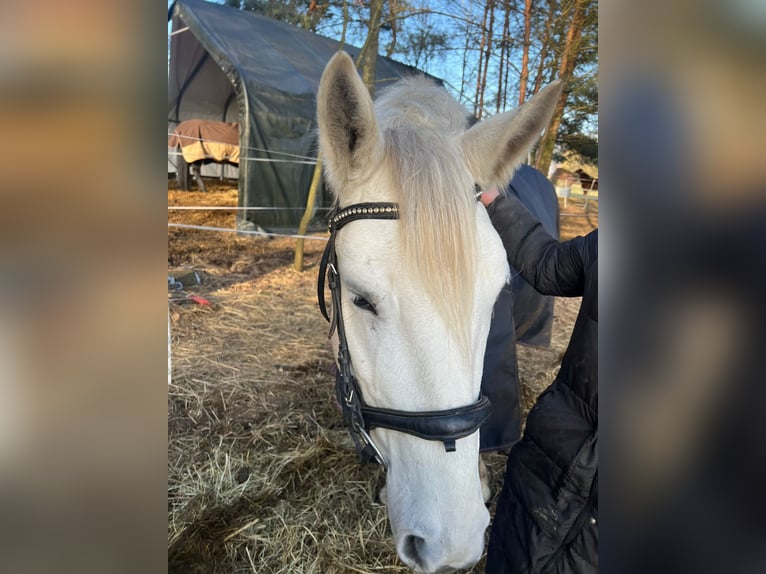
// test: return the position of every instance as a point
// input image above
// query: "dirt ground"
(262, 477)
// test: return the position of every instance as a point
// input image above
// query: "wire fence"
(245, 231)
(227, 208)
(247, 148)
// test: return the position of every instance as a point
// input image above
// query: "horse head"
(417, 292)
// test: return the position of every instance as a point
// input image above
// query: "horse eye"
(363, 303)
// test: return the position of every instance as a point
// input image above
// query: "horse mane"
(420, 123)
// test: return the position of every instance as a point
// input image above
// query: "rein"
(360, 418)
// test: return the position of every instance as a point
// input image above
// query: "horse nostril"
(412, 549)
(415, 552)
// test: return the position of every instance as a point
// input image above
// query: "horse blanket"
(203, 140)
(587, 181)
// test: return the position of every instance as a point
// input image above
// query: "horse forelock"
(420, 123)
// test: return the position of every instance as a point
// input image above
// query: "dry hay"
(262, 476)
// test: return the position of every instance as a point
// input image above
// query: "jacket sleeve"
(552, 268)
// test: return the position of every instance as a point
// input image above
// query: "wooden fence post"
(304, 225)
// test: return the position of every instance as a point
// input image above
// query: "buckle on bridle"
(369, 443)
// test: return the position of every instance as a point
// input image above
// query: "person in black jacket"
(546, 520)
(521, 315)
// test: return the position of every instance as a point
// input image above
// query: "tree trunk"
(369, 54)
(488, 53)
(465, 63)
(392, 11)
(566, 71)
(345, 25)
(505, 49)
(479, 90)
(545, 45)
(525, 52)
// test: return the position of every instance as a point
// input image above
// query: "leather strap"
(445, 426)
(329, 253)
(363, 211)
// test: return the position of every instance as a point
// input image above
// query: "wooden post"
(304, 224)
(182, 172)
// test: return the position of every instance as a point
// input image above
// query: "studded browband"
(363, 211)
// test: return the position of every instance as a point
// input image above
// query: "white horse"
(417, 293)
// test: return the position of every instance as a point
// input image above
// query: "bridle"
(445, 426)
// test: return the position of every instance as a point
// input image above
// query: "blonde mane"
(420, 123)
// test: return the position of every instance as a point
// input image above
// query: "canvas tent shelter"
(233, 66)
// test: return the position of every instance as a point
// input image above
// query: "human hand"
(489, 196)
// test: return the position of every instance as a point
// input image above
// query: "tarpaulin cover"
(235, 66)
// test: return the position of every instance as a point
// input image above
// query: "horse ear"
(494, 148)
(349, 139)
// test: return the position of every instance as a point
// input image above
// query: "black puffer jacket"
(520, 315)
(547, 515)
